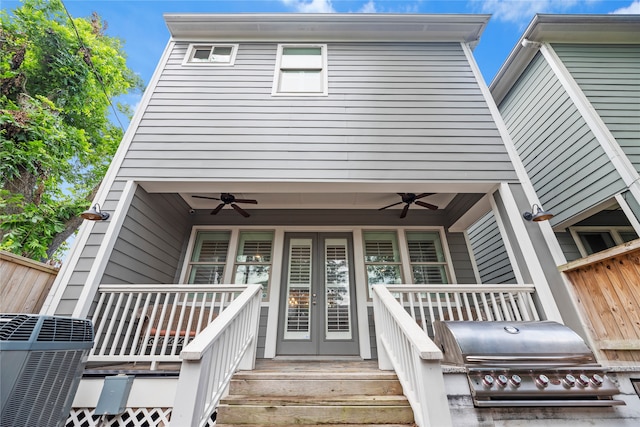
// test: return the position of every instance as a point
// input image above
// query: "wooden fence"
(24, 283)
(607, 290)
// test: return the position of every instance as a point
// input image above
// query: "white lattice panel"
(132, 417)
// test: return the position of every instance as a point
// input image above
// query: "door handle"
(314, 299)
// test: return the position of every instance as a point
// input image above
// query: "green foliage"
(56, 140)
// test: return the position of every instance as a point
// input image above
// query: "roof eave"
(326, 27)
(601, 29)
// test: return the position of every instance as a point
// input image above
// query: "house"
(278, 169)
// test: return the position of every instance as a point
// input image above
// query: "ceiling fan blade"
(205, 197)
(420, 196)
(253, 202)
(240, 210)
(393, 204)
(404, 211)
(217, 209)
(426, 205)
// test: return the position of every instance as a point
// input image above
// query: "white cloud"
(524, 10)
(310, 6)
(369, 7)
(633, 8)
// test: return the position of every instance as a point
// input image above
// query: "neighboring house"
(569, 94)
(263, 152)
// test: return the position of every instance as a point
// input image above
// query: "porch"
(210, 332)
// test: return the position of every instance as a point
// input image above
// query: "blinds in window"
(213, 251)
(379, 250)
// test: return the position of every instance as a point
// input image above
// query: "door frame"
(318, 345)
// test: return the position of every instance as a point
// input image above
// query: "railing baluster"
(132, 323)
(99, 310)
(467, 306)
(105, 321)
(505, 308)
(118, 335)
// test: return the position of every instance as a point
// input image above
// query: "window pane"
(381, 246)
(596, 241)
(300, 81)
(628, 236)
(201, 54)
(211, 246)
(255, 247)
(221, 54)
(206, 274)
(252, 275)
(429, 274)
(304, 50)
(424, 247)
(383, 275)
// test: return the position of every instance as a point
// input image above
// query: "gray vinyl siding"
(395, 111)
(148, 249)
(568, 246)
(151, 241)
(460, 258)
(567, 167)
(492, 260)
(609, 76)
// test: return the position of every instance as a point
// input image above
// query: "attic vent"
(16, 327)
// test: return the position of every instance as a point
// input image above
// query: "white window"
(428, 263)
(209, 257)
(253, 261)
(592, 239)
(382, 258)
(301, 70)
(211, 54)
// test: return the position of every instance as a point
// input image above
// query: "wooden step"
(276, 415)
(354, 394)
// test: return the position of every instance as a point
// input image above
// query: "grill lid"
(540, 343)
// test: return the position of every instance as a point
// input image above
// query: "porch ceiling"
(316, 200)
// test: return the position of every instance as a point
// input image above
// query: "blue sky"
(140, 24)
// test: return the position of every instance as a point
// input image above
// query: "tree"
(57, 77)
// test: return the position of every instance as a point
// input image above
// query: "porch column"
(529, 258)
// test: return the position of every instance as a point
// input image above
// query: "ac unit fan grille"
(65, 329)
(16, 327)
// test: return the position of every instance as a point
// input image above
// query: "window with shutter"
(253, 261)
(382, 257)
(209, 257)
(428, 264)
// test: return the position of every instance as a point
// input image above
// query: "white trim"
(631, 217)
(188, 58)
(232, 252)
(529, 255)
(445, 247)
(515, 266)
(100, 261)
(362, 291)
(521, 172)
(323, 71)
(600, 130)
(271, 337)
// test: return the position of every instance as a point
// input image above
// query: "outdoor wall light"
(537, 214)
(94, 214)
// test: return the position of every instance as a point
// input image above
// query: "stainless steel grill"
(525, 364)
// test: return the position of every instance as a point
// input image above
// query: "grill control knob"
(597, 380)
(487, 381)
(515, 380)
(583, 380)
(502, 380)
(542, 381)
(569, 381)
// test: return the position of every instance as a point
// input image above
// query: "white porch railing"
(153, 323)
(426, 303)
(211, 359)
(405, 348)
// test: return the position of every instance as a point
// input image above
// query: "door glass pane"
(298, 318)
(338, 306)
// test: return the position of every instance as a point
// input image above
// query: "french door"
(317, 303)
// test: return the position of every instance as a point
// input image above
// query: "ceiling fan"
(408, 199)
(229, 199)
